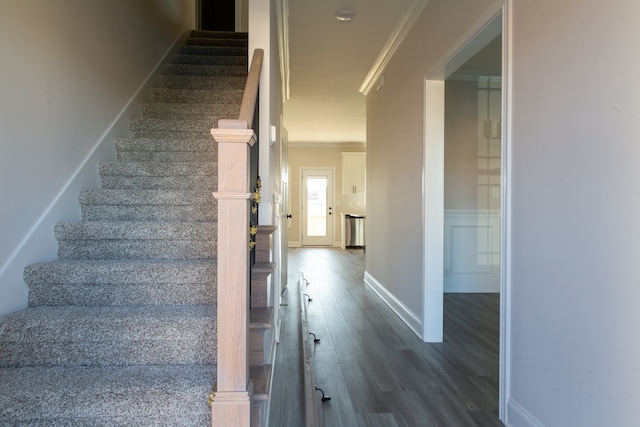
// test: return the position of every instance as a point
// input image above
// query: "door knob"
(289, 216)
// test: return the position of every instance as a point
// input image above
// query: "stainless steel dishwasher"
(354, 231)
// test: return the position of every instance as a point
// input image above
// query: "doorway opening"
(464, 184)
(217, 15)
(317, 207)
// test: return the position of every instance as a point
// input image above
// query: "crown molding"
(402, 28)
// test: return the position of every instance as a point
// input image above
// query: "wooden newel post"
(231, 404)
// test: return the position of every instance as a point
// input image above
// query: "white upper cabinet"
(354, 171)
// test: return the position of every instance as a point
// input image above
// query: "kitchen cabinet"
(354, 173)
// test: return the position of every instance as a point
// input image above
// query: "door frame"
(433, 182)
(302, 211)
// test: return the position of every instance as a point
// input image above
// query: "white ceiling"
(329, 60)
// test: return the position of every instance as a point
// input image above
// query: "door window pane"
(316, 206)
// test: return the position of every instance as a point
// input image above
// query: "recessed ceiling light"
(345, 15)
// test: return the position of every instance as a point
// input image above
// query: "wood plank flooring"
(376, 370)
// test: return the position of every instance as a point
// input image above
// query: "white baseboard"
(407, 316)
(517, 416)
(294, 244)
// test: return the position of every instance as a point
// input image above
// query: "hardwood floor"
(376, 370)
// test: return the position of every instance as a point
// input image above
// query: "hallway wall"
(69, 69)
(394, 150)
(573, 200)
(575, 204)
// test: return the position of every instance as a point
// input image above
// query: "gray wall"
(573, 208)
(394, 150)
(575, 204)
(69, 68)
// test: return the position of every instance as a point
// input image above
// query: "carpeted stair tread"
(136, 240)
(229, 60)
(148, 205)
(203, 82)
(178, 144)
(134, 230)
(158, 395)
(167, 125)
(199, 169)
(205, 70)
(234, 35)
(179, 150)
(159, 175)
(185, 96)
(124, 272)
(200, 50)
(210, 41)
(209, 113)
(121, 282)
(146, 197)
(112, 335)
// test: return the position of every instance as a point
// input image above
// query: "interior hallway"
(376, 370)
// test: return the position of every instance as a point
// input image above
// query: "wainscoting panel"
(471, 251)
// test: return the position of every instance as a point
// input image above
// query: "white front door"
(317, 207)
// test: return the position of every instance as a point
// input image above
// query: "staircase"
(121, 329)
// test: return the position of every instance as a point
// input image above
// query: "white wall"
(574, 201)
(69, 68)
(575, 209)
(394, 151)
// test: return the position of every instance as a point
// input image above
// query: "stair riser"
(210, 60)
(195, 41)
(166, 182)
(196, 213)
(173, 134)
(202, 82)
(167, 128)
(159, 396)
(205, 70)
(187, 96)
(122, 295)
(123, 273)
(166, 156)
(201, 144)
(136, 249)
(101, 353)
(220, 35)
(190, 112)
(177, 169)
(199, 50)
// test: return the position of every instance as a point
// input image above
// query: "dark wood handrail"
(250, 97)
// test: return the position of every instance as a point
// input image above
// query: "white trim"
(282, 17)
(517, 416)
(462, 276)
(505, 225)
(433, 212)
(413, 322)
(402, 28)
(294, 244)
(468, 43)
(435, 75)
